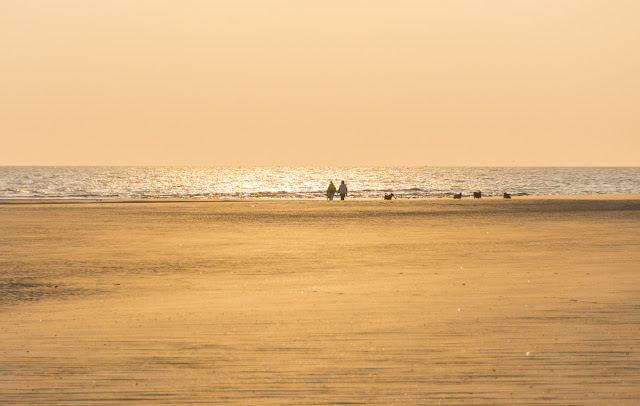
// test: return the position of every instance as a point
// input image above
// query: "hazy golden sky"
(299, 82)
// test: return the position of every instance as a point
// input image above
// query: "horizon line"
(319, 166)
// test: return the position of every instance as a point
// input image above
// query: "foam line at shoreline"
(46, 201)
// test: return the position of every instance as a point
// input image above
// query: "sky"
(320, 83)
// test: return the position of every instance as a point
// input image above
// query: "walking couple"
(331, 190)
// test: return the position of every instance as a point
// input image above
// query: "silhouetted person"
(342, 190)
(331, 190)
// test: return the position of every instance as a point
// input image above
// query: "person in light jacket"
(342, 190)
(331, 190)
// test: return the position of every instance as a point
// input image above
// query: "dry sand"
(432, 302)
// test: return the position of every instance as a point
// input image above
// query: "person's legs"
(330, 196)
(342, 197)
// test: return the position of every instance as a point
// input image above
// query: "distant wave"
(306, 183)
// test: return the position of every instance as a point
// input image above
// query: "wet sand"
(425, 302)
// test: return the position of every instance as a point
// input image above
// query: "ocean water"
(307, 183)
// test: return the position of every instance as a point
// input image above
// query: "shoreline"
(40, 200)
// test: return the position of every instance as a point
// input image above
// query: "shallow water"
(307, 183)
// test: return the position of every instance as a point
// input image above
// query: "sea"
(39, 182)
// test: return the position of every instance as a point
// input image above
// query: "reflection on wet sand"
(526, 301)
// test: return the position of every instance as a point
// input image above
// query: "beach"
(286, 302)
